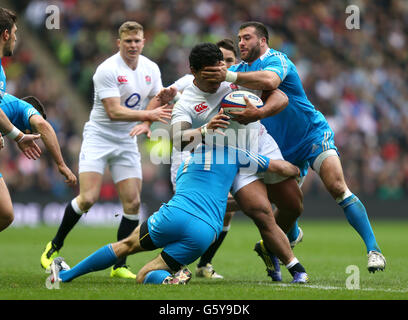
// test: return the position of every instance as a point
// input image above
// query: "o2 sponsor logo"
(133, 100)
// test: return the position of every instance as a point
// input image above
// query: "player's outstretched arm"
(257, 80)
(161, 100)
(25, 142)
(117, 112)
(283, 168)
(48, 136)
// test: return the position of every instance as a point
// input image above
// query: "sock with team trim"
(293, 233)
(99, 260)
(71, 216)
(156, 276)
(356, 215)
(295, 266)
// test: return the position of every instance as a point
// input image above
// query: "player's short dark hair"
(36, 104)
(227, 44)
(260, 29)
(205, 55)
(7, 19)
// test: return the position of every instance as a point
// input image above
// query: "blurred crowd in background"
(356, 78)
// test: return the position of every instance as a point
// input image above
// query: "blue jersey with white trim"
(204, 180)
(18, 111)
(299, 123)
(2, 82)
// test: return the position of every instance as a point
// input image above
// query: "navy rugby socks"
(212, 249)
(70, 219)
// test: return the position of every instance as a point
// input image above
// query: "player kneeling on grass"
(187, 225)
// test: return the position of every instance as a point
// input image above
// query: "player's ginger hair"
(130, 26)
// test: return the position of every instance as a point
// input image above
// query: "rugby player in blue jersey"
(302, 133)
(8, 40)
(25, 142)
(187, 225)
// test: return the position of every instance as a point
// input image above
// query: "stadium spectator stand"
(356, 78)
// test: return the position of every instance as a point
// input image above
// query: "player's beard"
(253, 54)
(7, 51)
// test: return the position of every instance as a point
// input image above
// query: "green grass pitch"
(329, 247)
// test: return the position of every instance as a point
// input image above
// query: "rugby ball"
(234, 101)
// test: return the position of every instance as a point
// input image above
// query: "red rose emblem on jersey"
(122, 79)
(200, 108)
(233, 86)
(148, 79)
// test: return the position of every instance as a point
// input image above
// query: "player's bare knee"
(337, 187)
(132, 207)
(258, 212)
(86, 201)
(263, 218)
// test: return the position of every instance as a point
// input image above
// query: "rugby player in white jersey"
(205, 268)
(124, 85)
(196, 115)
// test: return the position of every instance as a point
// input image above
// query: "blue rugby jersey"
(299, 124)
(204, 181)
(18, 111)
(2, 81)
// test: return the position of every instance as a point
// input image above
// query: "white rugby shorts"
(267, 147)
(102, 147)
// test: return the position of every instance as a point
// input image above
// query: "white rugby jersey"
(183, 82)
(114, 78)
(198, 108)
